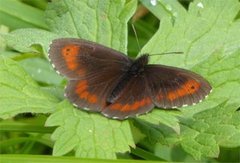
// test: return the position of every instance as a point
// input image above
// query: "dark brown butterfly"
(107, 81)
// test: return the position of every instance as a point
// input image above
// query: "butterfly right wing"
(173, 87)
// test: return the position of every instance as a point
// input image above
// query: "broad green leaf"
(102, 21)
(202, 31)
(216, 124)
(90, 135)
(203, 134)
(19, 93)
(208, 37)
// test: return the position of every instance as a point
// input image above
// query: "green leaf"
(208, 37)
(90, 135)
(203, 134)
(41, 71)
(102, 21)
(198, 34)
(165, 8)
(218, 124)
(168, 119)
(23, 39)
(15, 14)
(19, 93)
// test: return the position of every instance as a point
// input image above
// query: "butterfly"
(104, 80)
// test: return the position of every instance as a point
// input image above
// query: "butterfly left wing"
(173, 87)
(93, 70)
(134, 99)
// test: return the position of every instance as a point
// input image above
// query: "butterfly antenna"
(135, 33)
(167, 53)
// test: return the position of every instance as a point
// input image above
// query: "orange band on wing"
(81, 91)
(131, 107)
(190, 87)
(69, 53)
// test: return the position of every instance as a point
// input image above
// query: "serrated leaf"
(200, 33)
(163, 117)
(23, 39)
(208, 38)
(102, 21)
(218, 124)
(19, 93)
(90, 135)
(203, 134)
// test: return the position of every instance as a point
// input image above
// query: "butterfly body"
(104, 80)
(136, 69)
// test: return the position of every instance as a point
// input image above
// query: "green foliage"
(208, 34)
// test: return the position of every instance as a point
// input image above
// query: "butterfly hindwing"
(133, 99)
(173, 87)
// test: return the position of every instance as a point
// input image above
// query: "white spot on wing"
(53, 65)
(57, 72)
(49, 48)
(86, 109)
(75, 105)
(115, 117)
(184, 105)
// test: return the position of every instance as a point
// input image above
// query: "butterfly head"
(143, 59)
(138, 65)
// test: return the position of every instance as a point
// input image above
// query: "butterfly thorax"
(136, 69)
(138, 65)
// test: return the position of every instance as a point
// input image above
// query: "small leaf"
(19, 93)
(91, 135)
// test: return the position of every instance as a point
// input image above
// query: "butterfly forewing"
(173, 87)
(76, 58)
